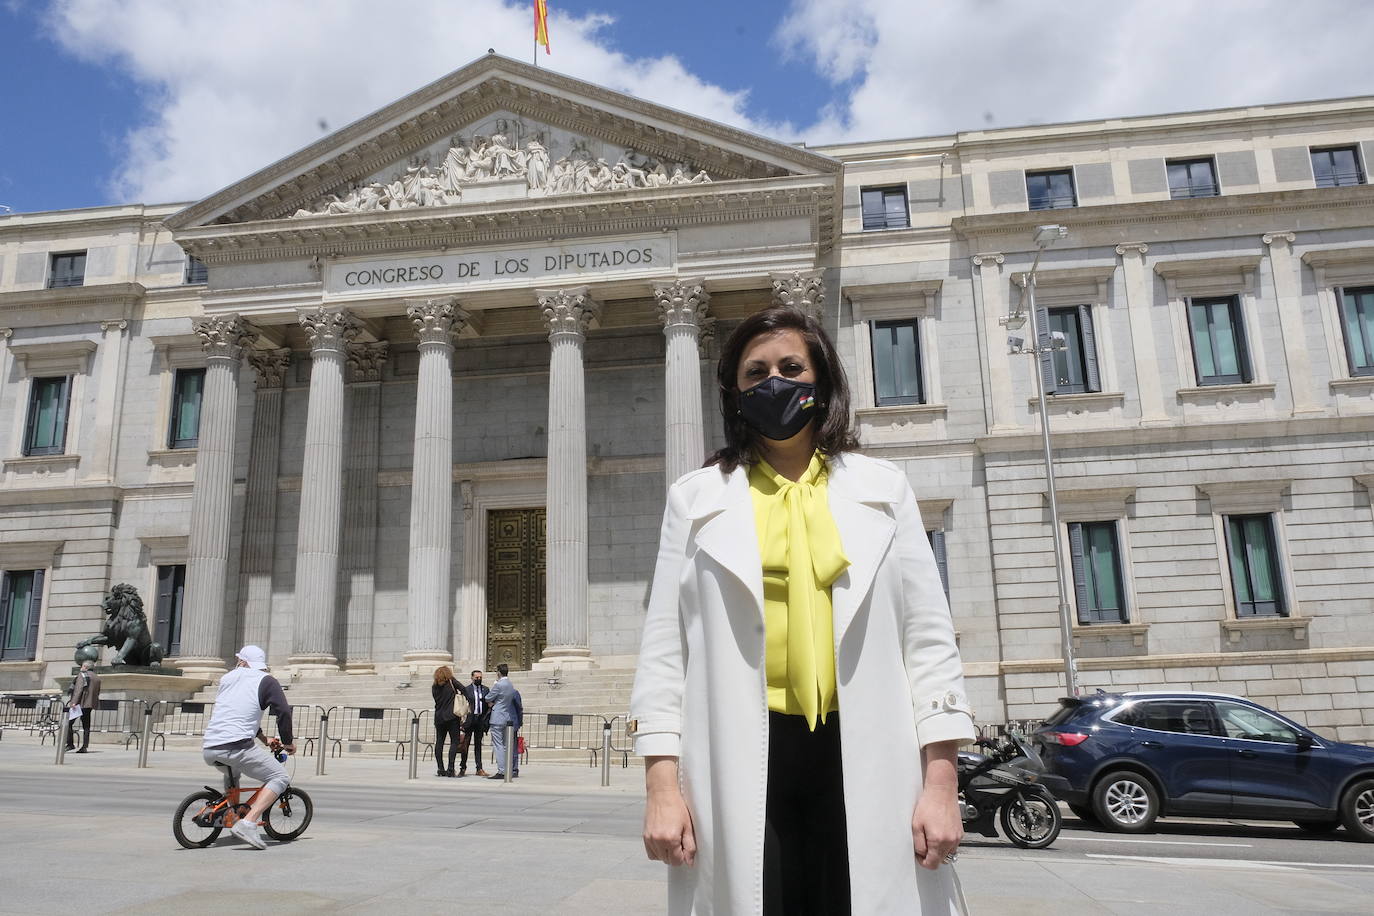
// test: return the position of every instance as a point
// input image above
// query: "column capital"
(6, 333)
(801, 289)
(270, 366)
(568, 312)
(1278, 236)
(117, 324)
(437, 320)
(682, 302)
(365, 361)
(1136, 248)
(330, 329)
(223, 336)
(995, 258)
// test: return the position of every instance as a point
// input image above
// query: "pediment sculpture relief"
(425, 182)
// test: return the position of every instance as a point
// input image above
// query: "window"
(1097, 572)
(1336, 167)
(896, 363)
(45, 433)
(1050, 190)
(196, 272)
(21, 593)
(1254, 566)
(1357, 314)
(1072, 370)
(186, 394)
(1182, 717)
(1250, 724)
(937, 547)
(1192, 178)
(1219, 352)
(67, 270)
(171, 585)
(885, 208)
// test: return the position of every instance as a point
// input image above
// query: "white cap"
(254, 656)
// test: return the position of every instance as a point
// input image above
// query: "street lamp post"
(1048, 341)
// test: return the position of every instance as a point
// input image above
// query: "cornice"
(1264, 203)
(1003, 444)
(74, 296)
(519, 220)
(489, 84)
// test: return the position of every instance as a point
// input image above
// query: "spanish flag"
(541, 25)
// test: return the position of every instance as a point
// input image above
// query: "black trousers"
(805, 840)
(475, 744)
(452, 729)
(85, 730)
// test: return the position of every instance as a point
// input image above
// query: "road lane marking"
(1266, 864)
(1105, 839)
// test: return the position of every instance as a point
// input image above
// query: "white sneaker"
(249, 832)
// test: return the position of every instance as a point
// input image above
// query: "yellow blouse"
(802, 557)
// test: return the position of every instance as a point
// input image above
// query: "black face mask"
(778, 408)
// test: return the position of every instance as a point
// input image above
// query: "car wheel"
(1319, 826)
(1357, 810)
(1126, 801)
(1084, 813)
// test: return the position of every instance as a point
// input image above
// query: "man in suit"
(506, 709)
(86, 695)
(477, 723)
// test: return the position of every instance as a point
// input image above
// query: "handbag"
(460, 704)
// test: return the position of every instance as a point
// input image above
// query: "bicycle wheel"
(185, 829)
(287, 817)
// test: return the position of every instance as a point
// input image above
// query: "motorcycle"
(1004, 784)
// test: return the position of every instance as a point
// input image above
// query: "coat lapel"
(727, 532)
(865, 531)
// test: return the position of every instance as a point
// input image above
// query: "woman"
(799, 699)
(447, 723)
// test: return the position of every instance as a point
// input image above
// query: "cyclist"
(230, 737)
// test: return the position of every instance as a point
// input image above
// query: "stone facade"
(318, 516)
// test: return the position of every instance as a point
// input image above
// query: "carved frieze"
(515, 155)
(329, 329)
(270, 366)
(568, 311)
(366, 361)
(223, 336)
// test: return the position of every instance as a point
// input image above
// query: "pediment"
(495, 130)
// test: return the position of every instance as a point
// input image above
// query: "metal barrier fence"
(563, 731)
(30, 712)
(371, 725)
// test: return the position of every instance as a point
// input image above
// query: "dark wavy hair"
(834, 434)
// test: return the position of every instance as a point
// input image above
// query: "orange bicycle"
(203, 815)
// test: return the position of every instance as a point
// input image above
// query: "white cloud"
(237, 84)
(922, 67)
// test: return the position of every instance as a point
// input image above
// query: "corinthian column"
(224, 337)
(317, 540)
(431, 488)
(682, 309)
(359, 548)
(568, 313)
(802, 289)
(260, 498)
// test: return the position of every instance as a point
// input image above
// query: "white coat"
(700, 691)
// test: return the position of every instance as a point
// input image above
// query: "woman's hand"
(936, 826)
(668, 834)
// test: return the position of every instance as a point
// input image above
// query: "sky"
(160, 101)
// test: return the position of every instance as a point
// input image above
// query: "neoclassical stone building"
(413, 394)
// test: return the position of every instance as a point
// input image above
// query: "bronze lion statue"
(125, 630)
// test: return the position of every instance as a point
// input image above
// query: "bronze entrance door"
(517, 616)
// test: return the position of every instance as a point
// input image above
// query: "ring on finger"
(950, 859)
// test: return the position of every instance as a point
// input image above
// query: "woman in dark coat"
(447, 724)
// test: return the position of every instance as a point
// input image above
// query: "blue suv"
(1126, 759)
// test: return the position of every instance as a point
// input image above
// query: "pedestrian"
(815, 729)
(450, 712)
(85, 697)
(506, 709)
(478, 721)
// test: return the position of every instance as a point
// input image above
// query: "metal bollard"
(63, 730)
(323, 743)
(605, 753)
(147, 734)
(414, 744)
(509, 749)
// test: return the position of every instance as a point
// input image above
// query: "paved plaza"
(95, 835)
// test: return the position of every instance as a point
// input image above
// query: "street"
(95, 834)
